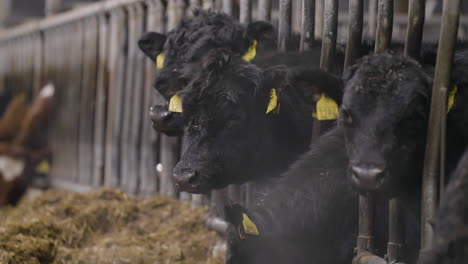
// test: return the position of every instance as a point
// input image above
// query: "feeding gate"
(101, 134)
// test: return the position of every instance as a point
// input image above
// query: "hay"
(105, 226)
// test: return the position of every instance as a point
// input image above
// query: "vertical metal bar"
(356, 9)
(195, 4)
(372, 17)
(318, 30)
(308, 23)
(264, 10)
(245, 11)
(365, 241)
(384, 25)
(396, 231)
(52, 7)
(415, 28)
(296, 18)
(101, 101)
(115, 83)
(447, 39)
(228, 7)
(87, 103)
(330, 26)
(284, 28)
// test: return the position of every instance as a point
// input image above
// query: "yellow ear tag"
(160, 61)
(43, 167)
(451, 98)
(273, 105)
(249, 226)
(327, 109)
(251, 52)
(175, 104)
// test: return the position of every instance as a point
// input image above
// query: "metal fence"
(101, 135)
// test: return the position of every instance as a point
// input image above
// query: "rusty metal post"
(356, 9)
(308, 23)
(318, 30)
(284, 27)
(245, 11)
(384, 25)
(264, 10)
(330, 26)
(447, 39)
(415, 28)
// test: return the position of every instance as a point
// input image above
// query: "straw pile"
(105, 226)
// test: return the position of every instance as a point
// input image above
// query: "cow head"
(223, 108)
(384, 113)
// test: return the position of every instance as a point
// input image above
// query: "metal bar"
(228, 7)
(318, 30)
(284, 28)
(116, 62)
(447, 39)
(87, 103)
(355, 23)
(372, 14)
(415, 28)
(264, 10)
(365, 241)
(308, 23)
(384, 25)
(101, 102)
(330, 26)
(245, 11)
(396, 231)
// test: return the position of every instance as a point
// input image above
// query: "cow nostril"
(370, 176)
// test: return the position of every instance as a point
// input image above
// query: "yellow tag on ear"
(327, 109)
(160, 61)
(175, 104)
(273, 105)
(451, 98)
(249, 226)
(43, 167)
(251, 52)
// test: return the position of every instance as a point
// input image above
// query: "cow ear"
(152, 44)
(314, 83)
(260, 30)
(233, 213)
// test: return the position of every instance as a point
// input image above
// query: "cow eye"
(345, 116)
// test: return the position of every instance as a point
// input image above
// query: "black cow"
(230, 137)
(450, 244)
(309, 215)
(385, 111)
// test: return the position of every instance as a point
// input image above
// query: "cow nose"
(186, 180)
(157, 115)
(368, 177)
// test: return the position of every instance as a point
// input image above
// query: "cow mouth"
(194, 188)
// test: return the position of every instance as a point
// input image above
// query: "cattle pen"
(101, 134)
